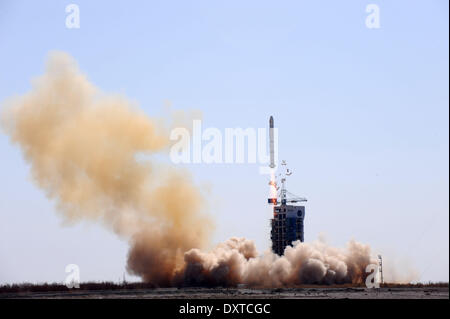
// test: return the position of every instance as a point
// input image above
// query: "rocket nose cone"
(271, 121)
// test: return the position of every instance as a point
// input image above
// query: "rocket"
(272, 151)
(273, 185)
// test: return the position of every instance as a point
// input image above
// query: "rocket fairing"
(271, 138)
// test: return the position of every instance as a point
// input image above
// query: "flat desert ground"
(218, 293)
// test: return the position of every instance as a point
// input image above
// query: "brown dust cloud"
(83, 148)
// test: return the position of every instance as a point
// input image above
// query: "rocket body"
(271, 138)
(273, 186)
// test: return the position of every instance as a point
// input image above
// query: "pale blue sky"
(362, 116)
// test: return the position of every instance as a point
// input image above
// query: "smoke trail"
(83, 147)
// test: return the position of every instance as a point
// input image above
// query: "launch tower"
(288, 216)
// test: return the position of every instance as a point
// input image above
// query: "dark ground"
(218, 293)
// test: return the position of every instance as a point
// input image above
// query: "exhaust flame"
(272, 188)
(82, 146)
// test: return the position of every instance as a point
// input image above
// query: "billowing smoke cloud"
(236, 262)
(84, 149)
